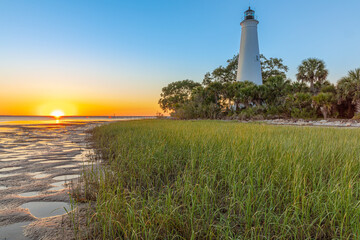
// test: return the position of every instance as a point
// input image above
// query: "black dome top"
(249, 14)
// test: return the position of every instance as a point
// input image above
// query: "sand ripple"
(36, 164)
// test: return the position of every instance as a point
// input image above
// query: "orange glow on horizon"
(57, 114)
(85, 90)
(78, 105)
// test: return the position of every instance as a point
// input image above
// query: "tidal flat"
(37, 163)
(165, 179)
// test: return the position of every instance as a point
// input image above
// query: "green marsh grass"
(167, 179)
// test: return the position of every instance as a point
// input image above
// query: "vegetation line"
(220, 96)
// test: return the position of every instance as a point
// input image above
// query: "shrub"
(356, 116)
(298, 105)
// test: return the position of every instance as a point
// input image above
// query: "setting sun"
(57, 113)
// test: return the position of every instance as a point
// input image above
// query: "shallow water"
(13, 231)
(32, 151)
(39, 175)
(66, 177)
(29, 194)
(67, 166)
(46, 209)
(30, 155)
(58, 186)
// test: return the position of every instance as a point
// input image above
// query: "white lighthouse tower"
(249, 67)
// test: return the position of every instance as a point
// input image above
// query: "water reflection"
(29, 194)
(58, 186)
(66, 177)
(31, 152)
(13, 231)
(46, 209)
(67, 166)
(39, 175)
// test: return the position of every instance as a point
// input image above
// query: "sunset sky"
(107, 57)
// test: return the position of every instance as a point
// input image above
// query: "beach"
(38, 160)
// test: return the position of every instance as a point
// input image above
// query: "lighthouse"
(249, 67)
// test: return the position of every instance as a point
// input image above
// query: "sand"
(38, 163)
(344, 123)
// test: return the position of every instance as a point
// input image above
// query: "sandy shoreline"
(37, 161)
(348, 123)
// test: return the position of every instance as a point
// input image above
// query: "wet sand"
(37, 163)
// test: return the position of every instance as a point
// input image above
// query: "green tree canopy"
(176, 93)
(348, 89)
(223, 74)
(312, 70)
(275, 90)
(269, 67)
(299, 104)
(272, 67)
(247, 93)
(222, 96)
(300, 87)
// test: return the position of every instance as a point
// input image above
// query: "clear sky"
(105, 57)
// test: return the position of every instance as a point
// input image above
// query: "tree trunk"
(348, 112)
(357, 107)
(324, 112)
(312, 90)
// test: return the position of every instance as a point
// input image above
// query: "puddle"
(67, 166)
(66, 177)
(9, 169)
(29, 194)
(38, 175)
(30, 155)
(13, 231)
(58, 186)
(46, 209)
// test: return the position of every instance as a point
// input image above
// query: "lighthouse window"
(257, 58)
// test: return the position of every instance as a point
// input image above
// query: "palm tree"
(312, 70)
(348, 89)
(324, 101)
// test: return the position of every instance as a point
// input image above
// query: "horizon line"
(78, 116)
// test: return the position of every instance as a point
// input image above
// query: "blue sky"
(133, 48)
